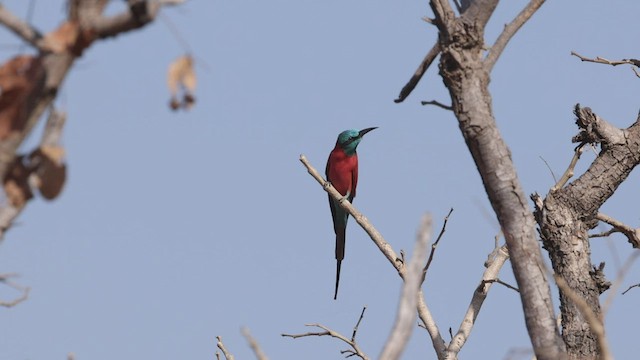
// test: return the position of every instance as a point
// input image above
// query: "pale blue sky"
(177, 227)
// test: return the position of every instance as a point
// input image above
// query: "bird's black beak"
(364, 131)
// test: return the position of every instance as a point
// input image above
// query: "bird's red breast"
(342, 171)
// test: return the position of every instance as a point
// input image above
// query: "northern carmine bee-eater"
(342, 173)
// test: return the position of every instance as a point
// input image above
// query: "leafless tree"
(564, 216)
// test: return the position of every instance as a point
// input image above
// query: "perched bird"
(342, 173)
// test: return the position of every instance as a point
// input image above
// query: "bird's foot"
(345, 197)
(326, 185)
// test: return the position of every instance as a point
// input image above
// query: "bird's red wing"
(354, 179)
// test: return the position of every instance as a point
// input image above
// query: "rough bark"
(466, 76)
(568, 213)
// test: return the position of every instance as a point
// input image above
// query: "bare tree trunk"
(568, 213)
(466, 75)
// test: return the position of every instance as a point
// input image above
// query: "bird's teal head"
(348, 140)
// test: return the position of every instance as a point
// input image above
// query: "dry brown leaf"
(50, 172)
(55, 153)
(16, 185)
(19, 77)
(181, 76)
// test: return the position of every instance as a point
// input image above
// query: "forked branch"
(601, 60)
(355, 349)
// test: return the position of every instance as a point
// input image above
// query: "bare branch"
(4, 278)
(496, 280)
(355, 328)
(139, 14)
(52, 136)
(568, 174)
(633, 235)
(601, 60)
(435, 244)
(428, 20)
(385, 248)
(430, 325)
(356, 351)
(509, 30)
(594, 129)
(382, 244)
(226, 353)
(630, 287)
(424, 65)
(405, 318)
(438, 104)
(253, 344)
(595, 322)
(493, 267)
(21, 28)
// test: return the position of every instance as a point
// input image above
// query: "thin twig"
(428, 20)
(4, 278)
(630, 287)
(553, 175)
(604, 233)
(226, 353)
(355, 349)
(438, 104)
(435, 245)
(415, 79)
(568, 174)
(355, 328)
(633, 235)
(18, 300)
(496, 280)
(253, 344)
(508, 32)
(601, 60)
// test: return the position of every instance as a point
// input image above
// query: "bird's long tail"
(340, 240)
(335, 296)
